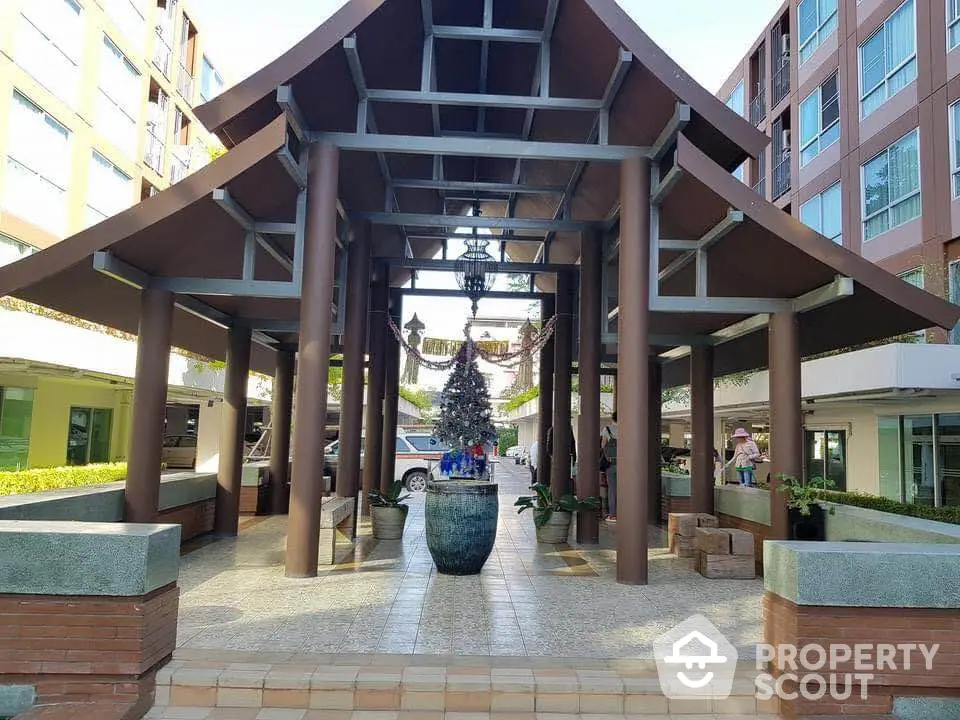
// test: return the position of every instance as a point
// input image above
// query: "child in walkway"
(745, 456)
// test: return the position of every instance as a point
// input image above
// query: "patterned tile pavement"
(386, 597)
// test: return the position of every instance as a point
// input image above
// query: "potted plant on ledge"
(552, 517)
(808, 520)
(388, 511)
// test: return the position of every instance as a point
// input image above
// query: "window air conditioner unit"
(785, 44)
(785, 140)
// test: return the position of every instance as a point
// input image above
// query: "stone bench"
(336, 522)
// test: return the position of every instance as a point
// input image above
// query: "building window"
(738, 173)
(817, 20)
(920, 459)
(118, 102)
(128, 16)
(89, 438)
(913, 277)
(211, 84)
(111, 190)
(888, 59)
(954, 147)
(891, 186)
(953, 24)
(38, 167)
(12, 250)
(735, 101)
(16, 412)
(826, 457)
(953, 290)
(50, 45)
(824, 214)
(820, 119)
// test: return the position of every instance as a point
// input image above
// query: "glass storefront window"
(16, 412)
(918, 464)
(888, 444)
(948, 458)
(89, 438)
(827, 456)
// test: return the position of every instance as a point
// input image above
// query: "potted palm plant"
(808, 520)
(388, 511)
(552, 517)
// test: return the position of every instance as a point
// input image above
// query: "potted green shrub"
(808, 520)
(552, 517)
(388, 511)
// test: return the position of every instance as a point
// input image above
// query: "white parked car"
(179, 451)
(417, 454)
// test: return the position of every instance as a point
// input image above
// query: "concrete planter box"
(746, 503)
(556, 530)
(674, 484)
(849, 522)
(388, 522)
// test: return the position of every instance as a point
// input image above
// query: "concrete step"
(523, 688)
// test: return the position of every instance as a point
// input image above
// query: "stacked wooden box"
(682, 528)
(725, 553)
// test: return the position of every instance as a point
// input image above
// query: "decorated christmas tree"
(465, 411)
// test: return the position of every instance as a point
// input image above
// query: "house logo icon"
(694, 660)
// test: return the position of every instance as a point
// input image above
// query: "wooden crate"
(725, 567)
(686, 524)
(684, 547)
(713, 541)
(741, 542)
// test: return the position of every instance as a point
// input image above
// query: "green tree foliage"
(507, 437)
(465, 412)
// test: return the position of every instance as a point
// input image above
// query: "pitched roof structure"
(435, 111)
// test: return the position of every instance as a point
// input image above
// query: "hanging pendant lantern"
(476, 268)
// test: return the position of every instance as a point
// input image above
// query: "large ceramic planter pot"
(388, 522)
(556, 530)
(461, 524)
(812, 527)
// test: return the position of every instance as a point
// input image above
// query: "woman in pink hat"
(745, 456)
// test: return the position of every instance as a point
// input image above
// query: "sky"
(706, 37)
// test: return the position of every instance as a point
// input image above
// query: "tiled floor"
(386, 597)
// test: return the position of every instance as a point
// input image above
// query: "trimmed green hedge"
(40, 479)
(517, 400)
(874, 502)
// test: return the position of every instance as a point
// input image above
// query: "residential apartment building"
(96, 101)
(861, 99)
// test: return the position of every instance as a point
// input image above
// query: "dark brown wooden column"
(562, 358)
(319, 255)
(233, 421)
(588, 434)
(373, 441)
(280, 422)
(141, 492)
(391, 398)
(633, 460)
(655, 412)
(701, 420)
(354, 351)
(786, 416)
(548, 307)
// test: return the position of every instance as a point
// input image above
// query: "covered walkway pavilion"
(602, 170)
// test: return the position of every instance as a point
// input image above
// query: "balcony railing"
(760, 188)
(185, 84)
(179, 163)
(758, 108)
(781, 177)
(781, 83)
(163, 48)
(153, 152)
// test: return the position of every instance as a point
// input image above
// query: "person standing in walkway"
(532, 460)
(745, 456)
(608, 447)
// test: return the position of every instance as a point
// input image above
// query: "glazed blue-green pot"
(461, 519)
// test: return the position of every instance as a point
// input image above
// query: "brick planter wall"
(787, 623)
(88, 649)
(759, 531)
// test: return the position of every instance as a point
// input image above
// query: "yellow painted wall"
(80, 120)
(49, 428)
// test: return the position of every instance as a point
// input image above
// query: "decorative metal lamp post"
(476, 268)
